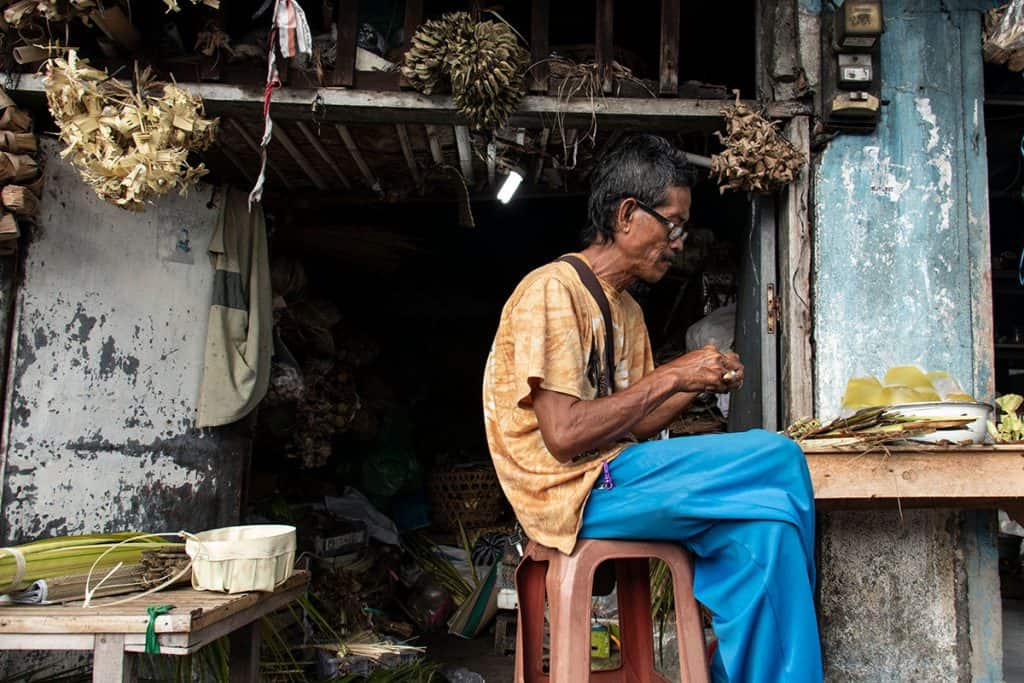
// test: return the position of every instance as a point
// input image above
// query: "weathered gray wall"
(105, 362)
(901, 269)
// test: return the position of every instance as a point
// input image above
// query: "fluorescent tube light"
(510, 186)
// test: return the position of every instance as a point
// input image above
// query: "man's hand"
(707, 369)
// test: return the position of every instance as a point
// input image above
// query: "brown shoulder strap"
(589, 281)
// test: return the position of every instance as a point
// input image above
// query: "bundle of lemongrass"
(869, 427)
(68, 556)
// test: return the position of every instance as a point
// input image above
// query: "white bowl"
(975, 432)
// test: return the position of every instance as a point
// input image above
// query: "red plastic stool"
(567, 581)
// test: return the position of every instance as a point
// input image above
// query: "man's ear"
(624, 214)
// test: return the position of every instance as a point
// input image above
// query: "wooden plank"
(413, 18)
(492, 162)
(668, 82)
(245, 654)
(465, 147)
(315, 143)
(407, 152)
(604, 41)
(977, 476)
(110, 663)
(357, 156)
(347, 18)
(435, 145)
(362, 106)
(255, 147)
(540, 14)
(796, 323)
(281, 135)
(545, 134)
(48, 641)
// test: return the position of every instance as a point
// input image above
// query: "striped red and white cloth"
(290, 32)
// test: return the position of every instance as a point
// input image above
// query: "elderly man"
(568, 421)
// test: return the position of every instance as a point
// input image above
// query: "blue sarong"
(743, 505)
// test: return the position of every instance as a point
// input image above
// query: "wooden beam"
(973, 476)
(797, 354)
(281, 135)
(372, 107)
(315, 143)
(492, 162)
(236, 162)
(255, 147)
(435, 145)
(668, 82)
(357, 156)
(347, 21)
(465, 147)
(410, 157)
(604, 41)
(543, 147)
(540, 14)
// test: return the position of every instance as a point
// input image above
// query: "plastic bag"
(1004, 35)
(717, 329)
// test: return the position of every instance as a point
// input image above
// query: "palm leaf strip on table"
(869, 427)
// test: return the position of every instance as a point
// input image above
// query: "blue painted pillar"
(901, 273)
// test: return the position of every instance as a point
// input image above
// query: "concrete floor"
(477, 655)
(1013, 641)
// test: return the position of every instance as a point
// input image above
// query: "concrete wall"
(901, 264)
(105, 362)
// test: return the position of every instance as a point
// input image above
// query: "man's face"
(644, 238)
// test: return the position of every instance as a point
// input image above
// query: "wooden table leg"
(110, 663)
(245, 654)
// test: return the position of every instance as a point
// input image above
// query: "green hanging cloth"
(152, 644)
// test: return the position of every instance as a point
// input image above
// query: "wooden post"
(540, 14)
(413, 19)
(345, 51)
(465, 147)
(604, 43)
(668, 82)
(111, 664)
(407, 152)
(244, 665)
(797, 354)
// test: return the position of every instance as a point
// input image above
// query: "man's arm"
(571, 426)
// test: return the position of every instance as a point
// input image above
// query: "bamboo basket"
(470, 496)
(240, 559)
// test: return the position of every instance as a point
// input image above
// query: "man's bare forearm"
(572, 426)
(662, 416)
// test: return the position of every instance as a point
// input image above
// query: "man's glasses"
(675, 231)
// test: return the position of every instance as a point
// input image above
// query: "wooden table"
(918, 476)
(198, 618)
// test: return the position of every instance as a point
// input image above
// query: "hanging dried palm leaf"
(757, 158)
(131, 143)
(481, 62)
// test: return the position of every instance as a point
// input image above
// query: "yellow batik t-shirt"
(551, 335)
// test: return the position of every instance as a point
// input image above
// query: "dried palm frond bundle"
(481, 61)
(131, 143)
(757, 158)
(868, 427)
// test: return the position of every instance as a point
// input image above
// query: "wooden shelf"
(924, 476)
(379, 107)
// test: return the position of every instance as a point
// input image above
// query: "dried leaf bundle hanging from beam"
(130, 143)
(757, 158)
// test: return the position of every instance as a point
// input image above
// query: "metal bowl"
(975, 432)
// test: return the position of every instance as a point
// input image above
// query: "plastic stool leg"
(530, 586)
(634, 593)
(693, 661)
(569, 585)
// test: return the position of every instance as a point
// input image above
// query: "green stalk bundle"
(72, 555)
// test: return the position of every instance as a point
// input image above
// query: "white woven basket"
(239, 559)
